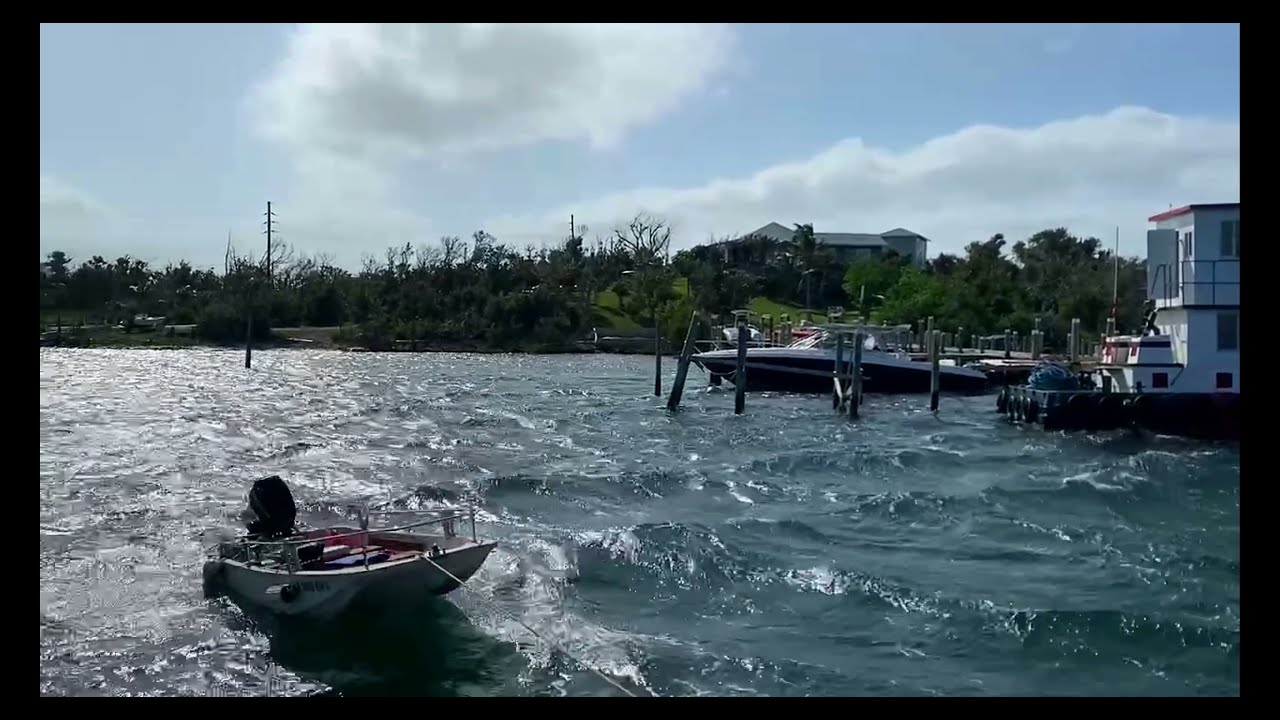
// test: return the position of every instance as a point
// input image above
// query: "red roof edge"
(1171, 214)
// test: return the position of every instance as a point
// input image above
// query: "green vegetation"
(483, 295)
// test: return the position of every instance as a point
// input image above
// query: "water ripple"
(782, 552)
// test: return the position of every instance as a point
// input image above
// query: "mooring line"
(537, 634)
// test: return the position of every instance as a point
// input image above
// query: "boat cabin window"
(1224, 381)
(1229, 330)
(1230, 239)
(1160, 380)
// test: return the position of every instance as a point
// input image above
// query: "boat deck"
(335, 549)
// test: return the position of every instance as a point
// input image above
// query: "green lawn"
(608, 313)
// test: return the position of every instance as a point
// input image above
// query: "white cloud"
(68, 214)
(1090, 174)
(352, 102)
(373, 90)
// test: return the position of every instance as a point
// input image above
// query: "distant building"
(851, 247)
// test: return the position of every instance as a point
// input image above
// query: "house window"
(1189, 247)
(1229, 330)
(1230, 239)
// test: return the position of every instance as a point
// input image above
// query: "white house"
(849, 247)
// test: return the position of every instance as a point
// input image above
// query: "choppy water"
(784, 552)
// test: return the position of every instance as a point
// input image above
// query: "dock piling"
(837, 394)
(657, 359)
(855, 382)
(248, 342)
(682, 367)
(935, 371)
(1074, 339)
(740, 372)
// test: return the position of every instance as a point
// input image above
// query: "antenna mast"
(270, 223)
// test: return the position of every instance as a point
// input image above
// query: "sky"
(161, 141)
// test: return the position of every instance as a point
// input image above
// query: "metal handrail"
(1214, 282)
(365, 531)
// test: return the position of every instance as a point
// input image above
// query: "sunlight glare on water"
(783, 552)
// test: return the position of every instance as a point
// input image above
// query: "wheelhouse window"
(1229, 330)
(1230, 239)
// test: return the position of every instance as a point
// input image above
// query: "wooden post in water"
(657, 358)
(740, 373)
(682, 367)
(855, 382)
(928, 335)
(960, 338)
(248, 341)
(836, 395)
(1074, 340)
(935, 374)
(1008, 343)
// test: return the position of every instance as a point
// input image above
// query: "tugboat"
(1181, 374)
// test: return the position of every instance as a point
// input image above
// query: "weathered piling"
(657, 359)
(855, 382)
(837, 396)
(682, 367)
(248, 342)
(740, 372)
(1074, 340)
(935, 371)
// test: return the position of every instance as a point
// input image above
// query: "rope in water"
(536, 634)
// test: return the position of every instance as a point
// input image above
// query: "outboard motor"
(272, 503)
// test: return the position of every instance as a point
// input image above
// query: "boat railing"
(289, 546)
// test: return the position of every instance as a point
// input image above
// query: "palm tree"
(811, 258)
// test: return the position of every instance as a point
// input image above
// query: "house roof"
(903, 232)
(782, 233)
(1185, 209)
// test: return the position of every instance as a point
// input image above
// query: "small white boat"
(317, 573)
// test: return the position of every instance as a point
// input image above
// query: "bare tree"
(452, 249)
(646, 240)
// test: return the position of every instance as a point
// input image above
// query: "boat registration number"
(313, 586)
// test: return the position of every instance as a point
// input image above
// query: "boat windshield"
(884, 339)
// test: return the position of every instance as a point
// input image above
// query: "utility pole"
(270, 223)
(572, 232)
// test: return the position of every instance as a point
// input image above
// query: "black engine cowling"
(272, 503)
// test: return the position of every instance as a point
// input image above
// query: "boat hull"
(787, 370)
(325, 594)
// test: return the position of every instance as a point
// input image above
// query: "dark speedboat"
(805, 366)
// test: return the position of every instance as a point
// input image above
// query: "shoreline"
(164, 343)
(330, 339)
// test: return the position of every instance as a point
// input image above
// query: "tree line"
(482, 293)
